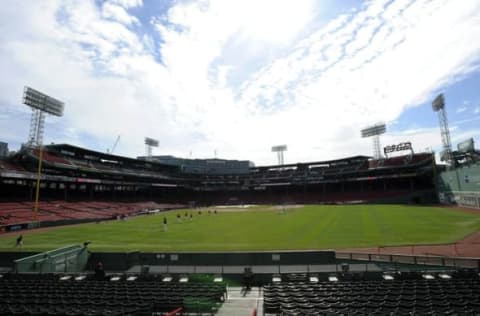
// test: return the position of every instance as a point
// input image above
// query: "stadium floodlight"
(438, 103)
(41, 104)
(279, 149)
(438, 106)
(375, 131)
(149, 143)
(37, 100)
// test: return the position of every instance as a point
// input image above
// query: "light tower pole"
(149, 143)
(41, 105)
(438, 105)
(279, 150)
(375, 131)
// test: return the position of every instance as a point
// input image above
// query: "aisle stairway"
(241, 303)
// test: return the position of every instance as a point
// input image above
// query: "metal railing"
(455, 262)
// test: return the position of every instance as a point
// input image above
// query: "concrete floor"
(242, 303)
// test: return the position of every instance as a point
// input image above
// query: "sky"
(231, 79)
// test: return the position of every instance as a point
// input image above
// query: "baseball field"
(262, 228)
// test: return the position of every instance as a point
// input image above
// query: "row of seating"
(22, 212)
(54, 295)
(62, 161)
(397, 297)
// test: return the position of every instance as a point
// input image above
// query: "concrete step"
(240, 302)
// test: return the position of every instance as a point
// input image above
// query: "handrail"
(174, 312)
(447, 261)
(254, 313)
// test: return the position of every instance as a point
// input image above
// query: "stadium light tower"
(375, 131)
(41, 104)
(149, 143)
(279, 150)
(438, 105)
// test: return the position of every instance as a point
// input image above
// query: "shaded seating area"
(50, 294)
(411, 294)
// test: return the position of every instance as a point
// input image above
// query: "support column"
(114, 193)
(31, 190)
(91, 187)
(65, 191)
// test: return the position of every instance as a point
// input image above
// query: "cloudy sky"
(237, 77)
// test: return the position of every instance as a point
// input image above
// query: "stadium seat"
(45, 294)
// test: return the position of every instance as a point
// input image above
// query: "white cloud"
(476, 110)
(118, 13)
(236, 76)
(461, 109)
(127, 3)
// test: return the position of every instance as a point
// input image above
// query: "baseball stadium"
(295, 213)
(165, 235)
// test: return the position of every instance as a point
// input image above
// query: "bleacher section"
(8, 166)
(12, 213)
(407, 294)
(49, 294)
(93, 162)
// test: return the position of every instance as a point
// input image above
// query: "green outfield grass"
(265, 228)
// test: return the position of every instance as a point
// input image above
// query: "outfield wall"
(124, 261)
(460, 186)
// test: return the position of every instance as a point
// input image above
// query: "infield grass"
(264, 228)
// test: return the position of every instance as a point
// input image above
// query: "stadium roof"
(101, 155)
(325, 162)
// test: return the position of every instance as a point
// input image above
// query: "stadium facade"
(203, 166)
(75, 173)
(460, 183)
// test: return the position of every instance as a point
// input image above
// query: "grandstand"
(76, 173)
